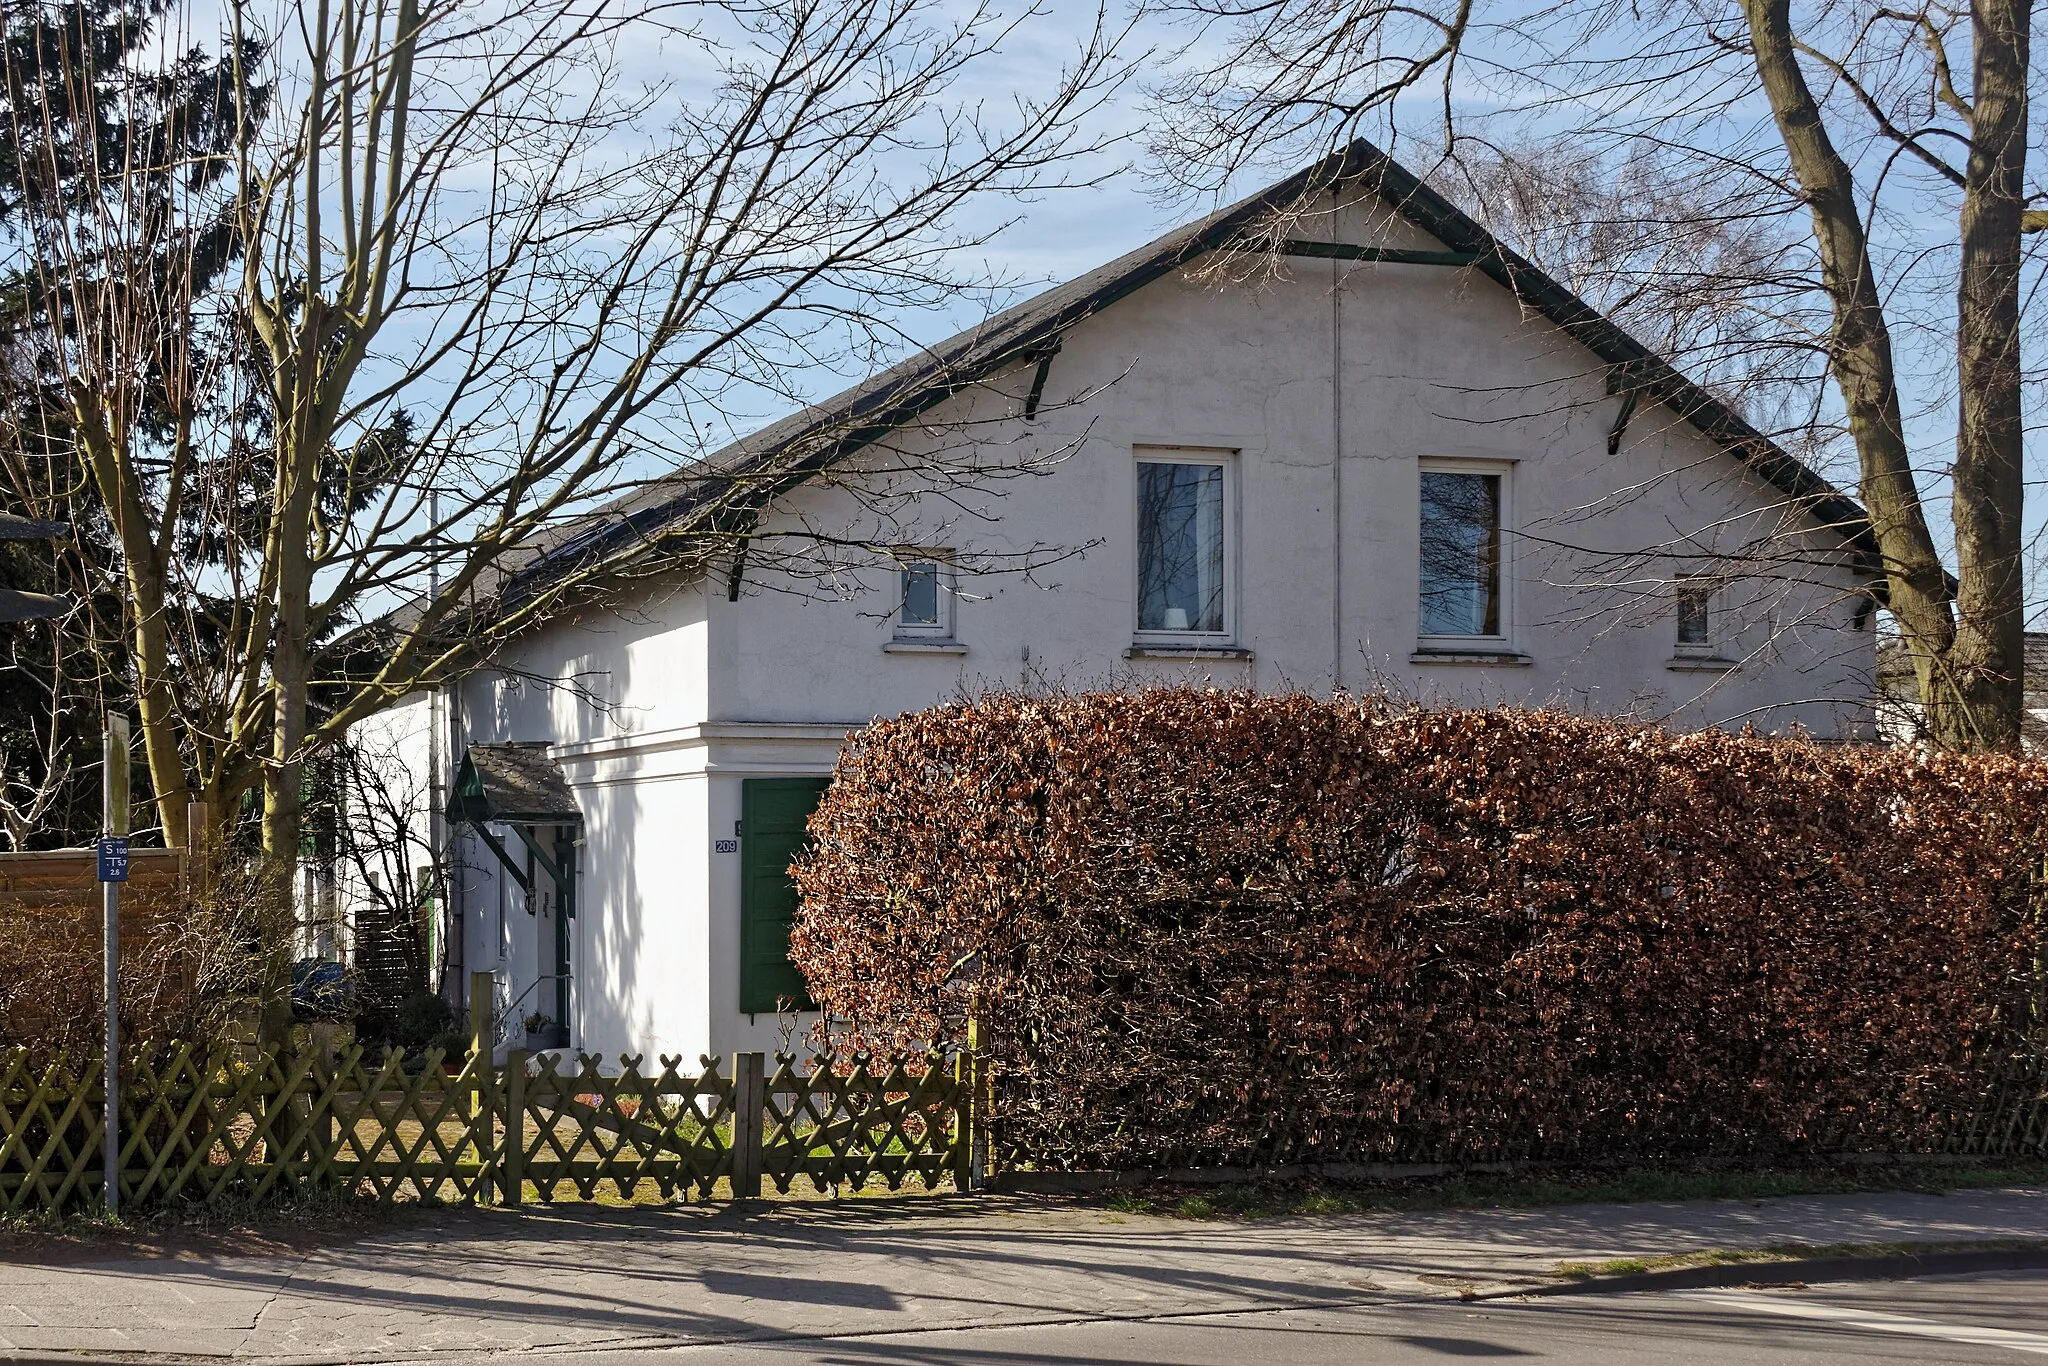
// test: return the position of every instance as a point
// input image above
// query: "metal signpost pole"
(113, 861)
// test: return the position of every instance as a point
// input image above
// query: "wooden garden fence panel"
(232, 1125)
(849, 1120)
(583, 1130)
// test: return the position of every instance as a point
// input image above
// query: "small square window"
(1695, 606)
(1183, 560)
(1461, 553)
(924, 608)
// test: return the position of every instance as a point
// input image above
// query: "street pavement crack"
(276, 1293)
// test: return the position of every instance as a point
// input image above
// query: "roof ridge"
(851, 419)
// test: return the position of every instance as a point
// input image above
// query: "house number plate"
(726, 846)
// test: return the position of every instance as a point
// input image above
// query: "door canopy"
(517, 786)
(513, 784)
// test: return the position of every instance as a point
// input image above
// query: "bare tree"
(1853, 127)
(376, 810)
(1264, 82)
(55, 673)
(1685, 267)
(486, 284)
(79, 112)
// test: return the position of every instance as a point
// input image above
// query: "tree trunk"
(283, 821)
(1967, 668)
(1978, 698)
(291, 670)
(114, 478)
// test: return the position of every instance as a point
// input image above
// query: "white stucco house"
(1373, 450)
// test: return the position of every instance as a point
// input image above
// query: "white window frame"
(948, 595)
(1711, 587)
(1505, 471)
(1226, 460)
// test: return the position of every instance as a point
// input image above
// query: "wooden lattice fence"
(220, 1126)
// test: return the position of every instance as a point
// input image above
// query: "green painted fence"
(224, 1125)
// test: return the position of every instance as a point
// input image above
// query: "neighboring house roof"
(1895, 667)
(13, 528)
(1899, 691)
(15, 604)
(857, 417)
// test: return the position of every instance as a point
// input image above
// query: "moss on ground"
(1787, 1252)
(1308, 1198)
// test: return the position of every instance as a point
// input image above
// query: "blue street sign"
(114, 859)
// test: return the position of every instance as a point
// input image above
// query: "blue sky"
(1066, 233)
(1062, 233)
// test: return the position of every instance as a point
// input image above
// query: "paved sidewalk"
(591, 1279)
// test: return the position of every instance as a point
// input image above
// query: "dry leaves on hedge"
(1203, 926)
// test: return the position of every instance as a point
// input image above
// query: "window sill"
(1702, 664)
(924, 647)
(1477, 655)
(1150, 650)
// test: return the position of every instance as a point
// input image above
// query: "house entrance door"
(773, 812)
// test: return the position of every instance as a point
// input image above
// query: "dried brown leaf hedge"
(1205, 927)
(52, 966)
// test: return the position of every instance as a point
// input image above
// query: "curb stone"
(1791, 1271)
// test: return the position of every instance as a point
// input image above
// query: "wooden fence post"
(978, 1109)
(482, 1046)
(749, 1098)
(964, 1115)
(482, 1038)
(512, 1187)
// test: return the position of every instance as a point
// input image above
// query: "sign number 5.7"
(113, 852)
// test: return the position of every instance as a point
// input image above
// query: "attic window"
(1695, 607)
(924, 608)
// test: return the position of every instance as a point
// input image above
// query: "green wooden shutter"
(772, 816)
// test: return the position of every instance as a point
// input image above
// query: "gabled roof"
(818, 436)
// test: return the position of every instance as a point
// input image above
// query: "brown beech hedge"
(1200, 927)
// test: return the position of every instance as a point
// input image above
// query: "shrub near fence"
(1217, 928)
(51, 955)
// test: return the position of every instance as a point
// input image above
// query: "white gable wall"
(602, 679)
(1436, 363)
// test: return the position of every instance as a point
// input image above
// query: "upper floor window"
(1183, 544)
(925, 609)
(1695, 608)
(1461, 552)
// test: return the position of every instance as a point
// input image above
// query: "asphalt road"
(1999, 1317)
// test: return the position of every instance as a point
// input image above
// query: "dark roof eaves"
(1408, 195)
(887, 405)
(895, 397)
